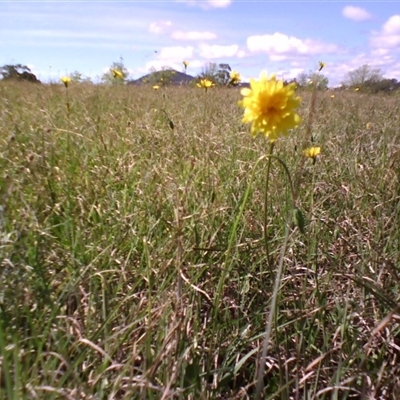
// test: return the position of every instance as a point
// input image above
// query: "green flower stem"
(271, 149)
(313, 229)
(226, 266)
(68, 118)
(312, 189)
(312, 110)
(273, 311)
(308, 134)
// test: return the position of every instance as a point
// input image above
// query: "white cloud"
(280, 47)
(389, 36)
(386, 42)
(285, 74)
(177, 65)
(288, 74)
(297, 64)
(216, 51)
(159, 65)
(67, 34)
(277, 58)
(292, 73)
(379, 52)
(207, 3)
(392, 25)
(193, 35)
(176, 53)
(194, 64)
(219, 3)
(159, 27)
(356, 13)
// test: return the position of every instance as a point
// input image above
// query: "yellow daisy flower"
(65, 80)
(117, 74)
(234, 77)
(270, 106)
(312, 152)
(205, 83)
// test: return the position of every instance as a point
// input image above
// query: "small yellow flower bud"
(65, 80)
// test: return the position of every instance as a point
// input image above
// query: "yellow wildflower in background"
(185, 63)
(321, 65)
(270, 106)
(356, 89)
(117, 74)
(312, 152)
(234, 77)
(332, 96)
(368, 125)
(65, 80)
(156, 87)
(205, 83)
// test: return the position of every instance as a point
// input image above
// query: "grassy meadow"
(133, 263)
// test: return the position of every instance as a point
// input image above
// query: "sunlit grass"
(114, 230)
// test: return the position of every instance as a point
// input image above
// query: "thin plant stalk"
(271, 149)
(311, 112)
(308, 136)
(274, 302)
(312, 105)
(68, 118)
(239, 215)
(313, 228)
(273, 311)
(227, 267)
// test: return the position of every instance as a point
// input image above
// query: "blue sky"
(55, 38)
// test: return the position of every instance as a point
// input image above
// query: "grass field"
(132, 268)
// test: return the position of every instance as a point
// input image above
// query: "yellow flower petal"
(65, 80)
(117, 74)
(246, 92)
(205, 83)
(270, 106)
(312, 152)
(234, 77)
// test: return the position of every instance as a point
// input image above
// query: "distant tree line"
(219, 74)
(370, 80)
(365, 78)
(18, 72)
(309, 80)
